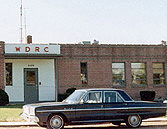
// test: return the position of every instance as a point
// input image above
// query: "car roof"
(122, 92)
(102, 89)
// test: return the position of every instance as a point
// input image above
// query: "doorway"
(31, 85)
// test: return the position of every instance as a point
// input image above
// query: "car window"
(119, 99)
(111, 97)
(93, 97)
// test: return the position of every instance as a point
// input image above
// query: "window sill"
(159, 85)
(115, 86)
(139, 85)
(84, 84)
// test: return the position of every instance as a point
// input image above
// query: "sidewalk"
(16, 124)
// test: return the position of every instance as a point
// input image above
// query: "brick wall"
(2, 65)
(100, 58)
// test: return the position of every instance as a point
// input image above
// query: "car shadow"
(117, 127)
(107, 127)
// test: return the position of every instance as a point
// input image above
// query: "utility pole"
(21, 27)
(25, 26)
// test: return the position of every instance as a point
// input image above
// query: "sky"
(72, 21)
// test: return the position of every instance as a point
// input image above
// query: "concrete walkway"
(16, 124)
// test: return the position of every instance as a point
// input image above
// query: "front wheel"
(133, 121)
(55, 122)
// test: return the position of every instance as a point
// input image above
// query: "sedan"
(87, 106)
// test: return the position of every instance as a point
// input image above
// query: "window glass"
(93, 97)
(75, 97)
(158, 74)
(112, 97)
(118, 74)
(31, 78)
(138, 71)
(8, 74)
(84, 76)
(138, 65)
(119, 99)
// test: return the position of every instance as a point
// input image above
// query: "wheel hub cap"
(56, 122)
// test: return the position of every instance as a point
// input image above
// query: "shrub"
(4, 98)
(68, 92)
(62, 97)
(147, 95)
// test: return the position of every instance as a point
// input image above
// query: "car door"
(114, 106)
(91, 108)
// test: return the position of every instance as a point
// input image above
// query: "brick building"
(133, 68)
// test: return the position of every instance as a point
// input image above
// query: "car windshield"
(75, 97)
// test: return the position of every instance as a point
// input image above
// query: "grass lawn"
(11, 113)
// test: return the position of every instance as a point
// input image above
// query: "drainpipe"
(57, 81)
(2, 69)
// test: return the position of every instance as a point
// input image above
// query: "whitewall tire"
(133, 121)
(55, 122)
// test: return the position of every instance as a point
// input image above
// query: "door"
(30, 85)
(115, 107)
(92, 108)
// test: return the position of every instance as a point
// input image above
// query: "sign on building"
(32, 49)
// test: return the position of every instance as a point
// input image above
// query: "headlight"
(29, 110)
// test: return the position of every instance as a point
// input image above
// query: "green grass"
(11, 113)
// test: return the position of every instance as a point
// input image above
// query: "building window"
(118, 74)
(138, 73)
(84, 76)
(8, 74)
(158, 74)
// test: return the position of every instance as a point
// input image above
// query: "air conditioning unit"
(86, 42)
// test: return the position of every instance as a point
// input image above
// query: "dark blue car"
(87, 106)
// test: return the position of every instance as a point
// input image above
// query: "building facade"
(42, 72)
(133, 68)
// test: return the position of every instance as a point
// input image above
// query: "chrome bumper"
(29, 118)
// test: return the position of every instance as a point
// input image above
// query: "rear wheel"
(133, 121)
(55, 122)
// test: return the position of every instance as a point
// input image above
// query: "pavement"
(16, 124)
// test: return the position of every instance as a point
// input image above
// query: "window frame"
(93, 92)
(117, 94)
(133, 84)
(12, 73)
(163, 63)
(85, 74)
(116, 74)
